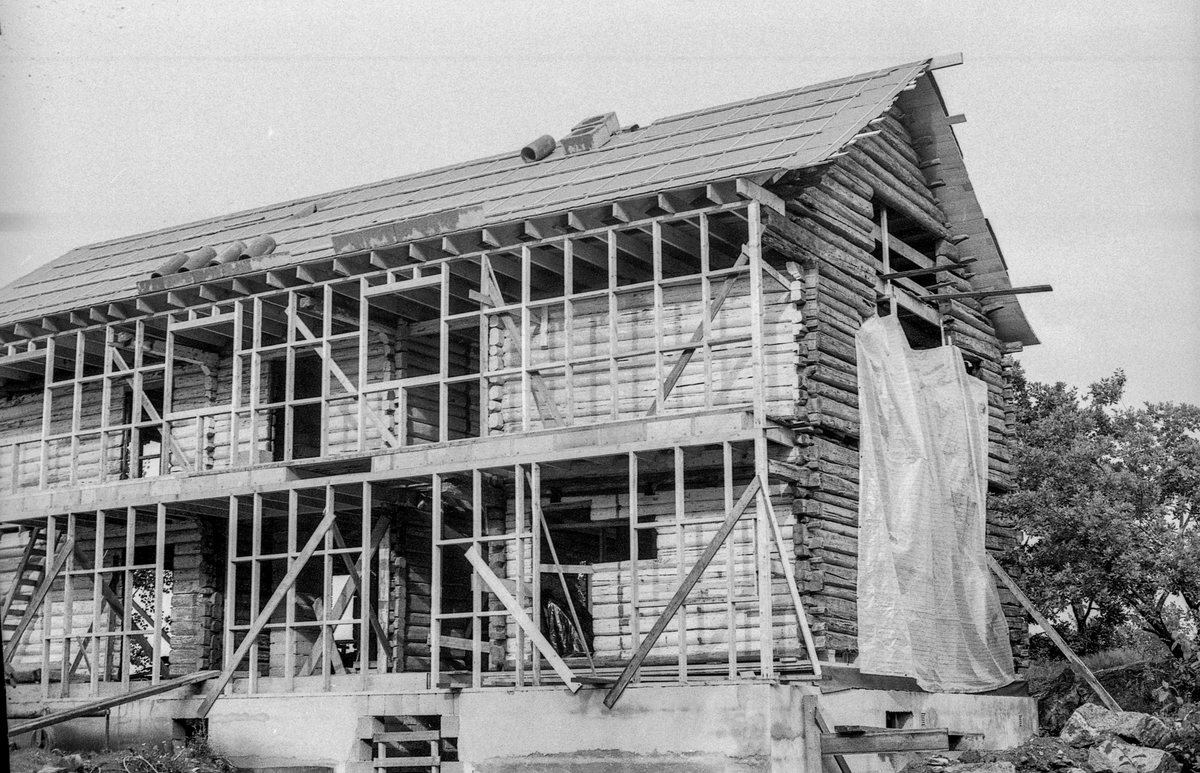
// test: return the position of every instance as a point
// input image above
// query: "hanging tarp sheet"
(927, 605)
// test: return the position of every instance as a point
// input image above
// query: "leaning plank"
(39, 595)
(91, 707)
(268, 609)
(562, 580)
(493, 582)
(786, 561)
(1080, 667)
(886, 741)
(681, 593)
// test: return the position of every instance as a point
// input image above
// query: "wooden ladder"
(27, 576)
(412, 742)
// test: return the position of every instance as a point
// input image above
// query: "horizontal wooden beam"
(989, 293)
(885, 741)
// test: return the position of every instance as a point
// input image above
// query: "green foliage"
(1108, 498)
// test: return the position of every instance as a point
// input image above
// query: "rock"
(983, 767)
(1127, 758)
(1092, 724)
(1098, 761)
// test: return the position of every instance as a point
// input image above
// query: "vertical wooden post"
(167, 428)
(680, 574)
(47, 415)
(289, 389)
(523, 344)
(235, 384)
(435, 583)
(364, 345)
(255, 384)
(127, 624)
(289, 613)
(656, 260)
(52, 540)
(519, 560)
(444, 354)
(364, 591)
(706, 304)
(762, 531)
(256, 579)
(231, 547)
(326, 374)
(730, 561)
(68, 614)
(635, 638)
(328, 648)
(568, 327)
(97, 606)
(160, 558)
(535, 495)
(477, 619)
(77, 410)
(613, 328)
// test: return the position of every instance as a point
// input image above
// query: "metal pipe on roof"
(538, 149)
(198, 259)
(229, 254)
(259, 245)
(170, 265)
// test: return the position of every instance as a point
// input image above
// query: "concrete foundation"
(714, 728)
(725, 727)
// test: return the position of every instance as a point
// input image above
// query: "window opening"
(306, 417)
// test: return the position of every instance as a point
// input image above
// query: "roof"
(760, 136)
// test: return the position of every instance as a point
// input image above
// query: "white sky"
(1082, 134)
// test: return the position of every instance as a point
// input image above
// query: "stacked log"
(729, 382)
(825, 245)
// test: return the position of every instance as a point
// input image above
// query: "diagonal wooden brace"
(152, 412)
(681, 593)
(522, 618)
(697, 338)
(541, 393)
(352, 587)
(388, 436)
(268, 609)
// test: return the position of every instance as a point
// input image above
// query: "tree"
(1107, 499)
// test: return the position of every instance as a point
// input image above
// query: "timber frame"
(610, 444)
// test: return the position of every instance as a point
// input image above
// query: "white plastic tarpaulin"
(927, 605)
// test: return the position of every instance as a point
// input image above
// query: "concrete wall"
(723, 727)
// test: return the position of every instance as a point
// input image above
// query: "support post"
(1079, 666)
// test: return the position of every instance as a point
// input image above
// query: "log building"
(547, 458)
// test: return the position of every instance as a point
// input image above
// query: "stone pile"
(1094, 740)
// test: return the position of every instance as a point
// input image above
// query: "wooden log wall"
(825, 245)
(732, 368)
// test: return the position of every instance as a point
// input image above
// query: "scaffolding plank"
(91, 707)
